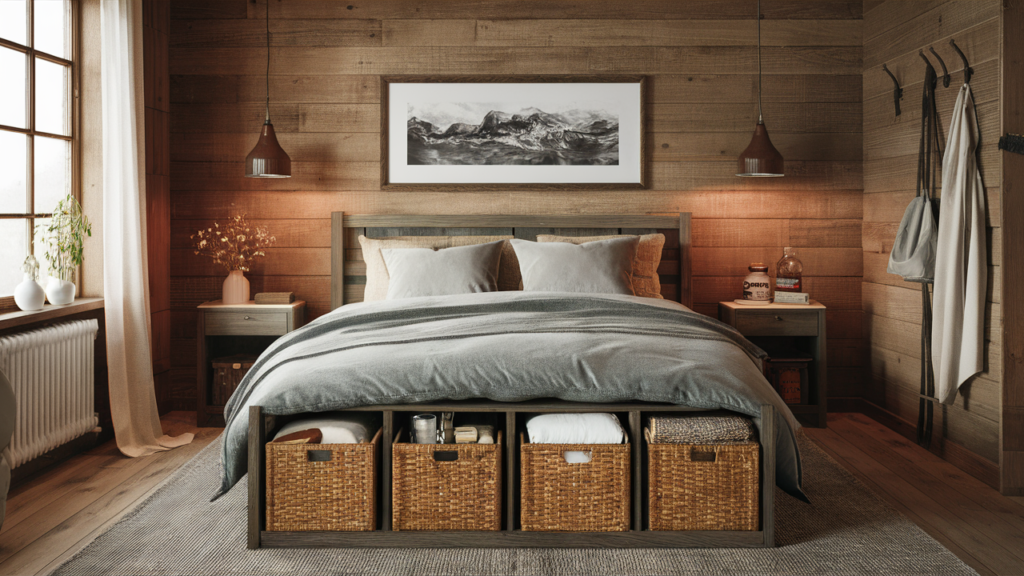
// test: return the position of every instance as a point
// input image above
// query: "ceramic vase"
(29, 295)
(60, 292)
(236, 288)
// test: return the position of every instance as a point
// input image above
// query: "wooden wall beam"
(1011, 436)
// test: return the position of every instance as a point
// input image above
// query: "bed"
(491, 353)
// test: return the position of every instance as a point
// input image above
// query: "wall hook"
(968, 71)
(945, 73)
(897, 92)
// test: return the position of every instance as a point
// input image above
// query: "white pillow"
(352, 428)
(602, 267)
(575, 429)
(424, 272)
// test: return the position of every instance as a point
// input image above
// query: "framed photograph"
(512, 133)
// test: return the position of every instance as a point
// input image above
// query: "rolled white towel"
(349, 428)
(575, 429)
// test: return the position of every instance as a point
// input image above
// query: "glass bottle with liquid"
(789, 272)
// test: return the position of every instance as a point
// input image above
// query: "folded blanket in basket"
(696, 429)
(351, 428)
(575, 429)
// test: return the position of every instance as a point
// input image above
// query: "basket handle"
(703, 455)
(319, 455)
(446, 456)
(578, 456)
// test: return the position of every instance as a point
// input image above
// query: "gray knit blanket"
(508, 347)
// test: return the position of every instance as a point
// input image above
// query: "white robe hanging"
(958, 310)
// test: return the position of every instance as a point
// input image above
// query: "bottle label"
(787, 284)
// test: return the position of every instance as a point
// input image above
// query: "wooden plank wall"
(966, 433)
(156, 21)
(1012, 433)
(701, 59)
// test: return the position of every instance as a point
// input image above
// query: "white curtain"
(125, 274)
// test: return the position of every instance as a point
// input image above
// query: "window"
(38, 131)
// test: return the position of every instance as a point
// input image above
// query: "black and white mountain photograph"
(463, 133)
(512, 134)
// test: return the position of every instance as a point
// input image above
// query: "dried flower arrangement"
(236, 245)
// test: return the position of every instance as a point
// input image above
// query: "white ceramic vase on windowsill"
(236, 288)
(60, 292)
(29, 294)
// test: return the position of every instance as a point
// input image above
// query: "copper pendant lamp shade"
(268, 159)
(760, 159)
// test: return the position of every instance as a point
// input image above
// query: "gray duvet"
(508, 346)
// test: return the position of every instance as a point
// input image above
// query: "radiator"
(51, 370)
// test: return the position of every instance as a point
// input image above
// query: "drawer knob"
(779, 318)
(250, 318)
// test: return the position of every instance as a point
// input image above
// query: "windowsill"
(49, 312)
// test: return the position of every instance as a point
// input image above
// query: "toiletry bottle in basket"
(789, 272)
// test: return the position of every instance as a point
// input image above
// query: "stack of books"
(275, 297)
(476, 434)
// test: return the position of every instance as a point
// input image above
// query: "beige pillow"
(377, 278)
(645, 266)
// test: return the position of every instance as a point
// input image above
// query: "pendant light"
(760, 158)
(268, 159)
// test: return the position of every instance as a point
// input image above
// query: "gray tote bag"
(913, 251)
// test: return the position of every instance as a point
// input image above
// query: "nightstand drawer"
(246, 323)
(777, 323)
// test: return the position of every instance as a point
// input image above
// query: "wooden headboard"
(348, 272)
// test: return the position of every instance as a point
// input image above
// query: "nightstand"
(231, 329)
(800, 326)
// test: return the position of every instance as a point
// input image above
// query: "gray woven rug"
(847, 530)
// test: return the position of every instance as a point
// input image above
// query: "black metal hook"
(897, 92)
(968, 71)
(927, 62)
(945, 73)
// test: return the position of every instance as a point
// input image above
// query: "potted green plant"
(64, 239)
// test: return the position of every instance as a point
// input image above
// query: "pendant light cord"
(760, 118)
(268, 58)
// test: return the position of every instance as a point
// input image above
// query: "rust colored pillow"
(645, 266)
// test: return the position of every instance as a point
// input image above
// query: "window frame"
(74, 103)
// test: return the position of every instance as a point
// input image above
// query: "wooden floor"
(975, 522)
(54, 515)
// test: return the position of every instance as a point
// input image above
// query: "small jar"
(757, 286)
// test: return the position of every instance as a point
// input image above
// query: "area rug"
(846, 529)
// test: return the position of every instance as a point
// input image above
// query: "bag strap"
(926, 169)
(926, 172)
(927, 398)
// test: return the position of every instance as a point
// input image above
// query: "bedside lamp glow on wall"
(760, 159)
(268, 159)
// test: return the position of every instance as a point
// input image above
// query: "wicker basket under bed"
(446, 487)
(704, 487)
(560, 497)
(322, 486)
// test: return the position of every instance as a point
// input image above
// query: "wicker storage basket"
(322, 486)
(562, 497)
(704, 487)
(446, 486)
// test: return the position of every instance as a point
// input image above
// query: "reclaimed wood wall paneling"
(700, 57)
(894, 32)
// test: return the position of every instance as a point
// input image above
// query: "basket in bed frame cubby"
(511, 535)
(348, 278)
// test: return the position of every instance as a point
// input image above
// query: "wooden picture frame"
(386, 182)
